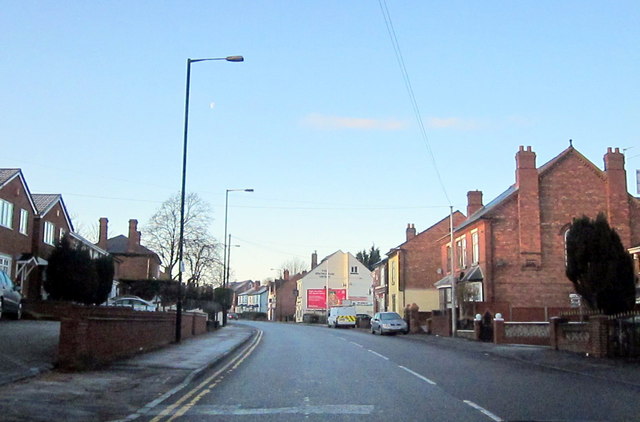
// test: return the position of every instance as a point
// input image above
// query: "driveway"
(27, 348)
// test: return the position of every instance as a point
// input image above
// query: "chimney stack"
(474, 201)
(134, 236)
(528, 186)
(618, 212)
(314, 259)
(102, 235)
(411, 231)
(285, 275)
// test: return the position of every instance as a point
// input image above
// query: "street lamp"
(184, 182)
(227, 245)
(225, 265)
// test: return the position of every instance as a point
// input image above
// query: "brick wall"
(94, 336)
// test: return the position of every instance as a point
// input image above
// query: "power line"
(407, 83)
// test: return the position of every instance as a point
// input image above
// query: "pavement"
(127, 389)
(124, 390)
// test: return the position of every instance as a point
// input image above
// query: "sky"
(318, 119)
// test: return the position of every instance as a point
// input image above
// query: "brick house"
(135, 262)
(510, 253)
(30, 227)
(412, 267)
(285, 293)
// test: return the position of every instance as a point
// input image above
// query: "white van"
(342, 316)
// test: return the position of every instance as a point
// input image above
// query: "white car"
(138, 304)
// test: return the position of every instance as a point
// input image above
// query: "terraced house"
(510, 253)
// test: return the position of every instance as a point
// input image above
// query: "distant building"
(339, 279)
(413, 267)
(254, 300)
(136, 262)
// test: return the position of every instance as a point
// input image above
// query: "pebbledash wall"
(95, 336)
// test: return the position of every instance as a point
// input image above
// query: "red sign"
(317, 298)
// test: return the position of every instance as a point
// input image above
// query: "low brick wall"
(94, 336)
(439, 325)
(534, 333)
(589, 337)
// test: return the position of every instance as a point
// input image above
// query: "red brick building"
(510, 254)
(414, 266)
(30, 227)
(286, 292)
(135, 262)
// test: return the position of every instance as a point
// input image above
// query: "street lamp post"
(227, 245)
(184, 183)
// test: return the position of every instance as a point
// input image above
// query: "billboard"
(317, 298)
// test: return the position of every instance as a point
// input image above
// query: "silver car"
(10, 297)
(134, 302)
(388, 322)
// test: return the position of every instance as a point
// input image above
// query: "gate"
(624, 336)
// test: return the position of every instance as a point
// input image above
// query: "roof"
(7, 175)
(542, 170)
(258, 291)
(393, 250)
(44, 202)
(120, 245)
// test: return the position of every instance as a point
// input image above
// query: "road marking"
(203, 388)
(418, 375)
(378, 354)
(354, 343)
(483, 410)
(340, 409)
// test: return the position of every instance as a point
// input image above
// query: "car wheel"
(1, 307)
(372, 331)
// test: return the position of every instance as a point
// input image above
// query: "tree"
(223, 296)
(73, 276)
(294, 266)
(599, 267)
(104, 275)
(200, 250)
(369, 259)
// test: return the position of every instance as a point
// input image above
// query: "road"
(299, 372)
(27, 347)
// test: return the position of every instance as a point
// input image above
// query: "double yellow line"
(193, 396)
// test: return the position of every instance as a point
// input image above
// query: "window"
(461, 252)
(475, 248)
(354, 270)
(24, 221)
(5, 264)
(6, 213)
(61, 234)
(49, 233)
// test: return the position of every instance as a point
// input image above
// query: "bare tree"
(203, 261)
(295, 266)
(163, 235)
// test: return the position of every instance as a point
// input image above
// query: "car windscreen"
(390, 316)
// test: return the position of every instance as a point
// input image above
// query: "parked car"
(232, 315)
(10, 297)
(342, 316)
(135, 302)
(388, 322)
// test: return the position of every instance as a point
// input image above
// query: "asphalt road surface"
(26, 348)
(313, 373)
